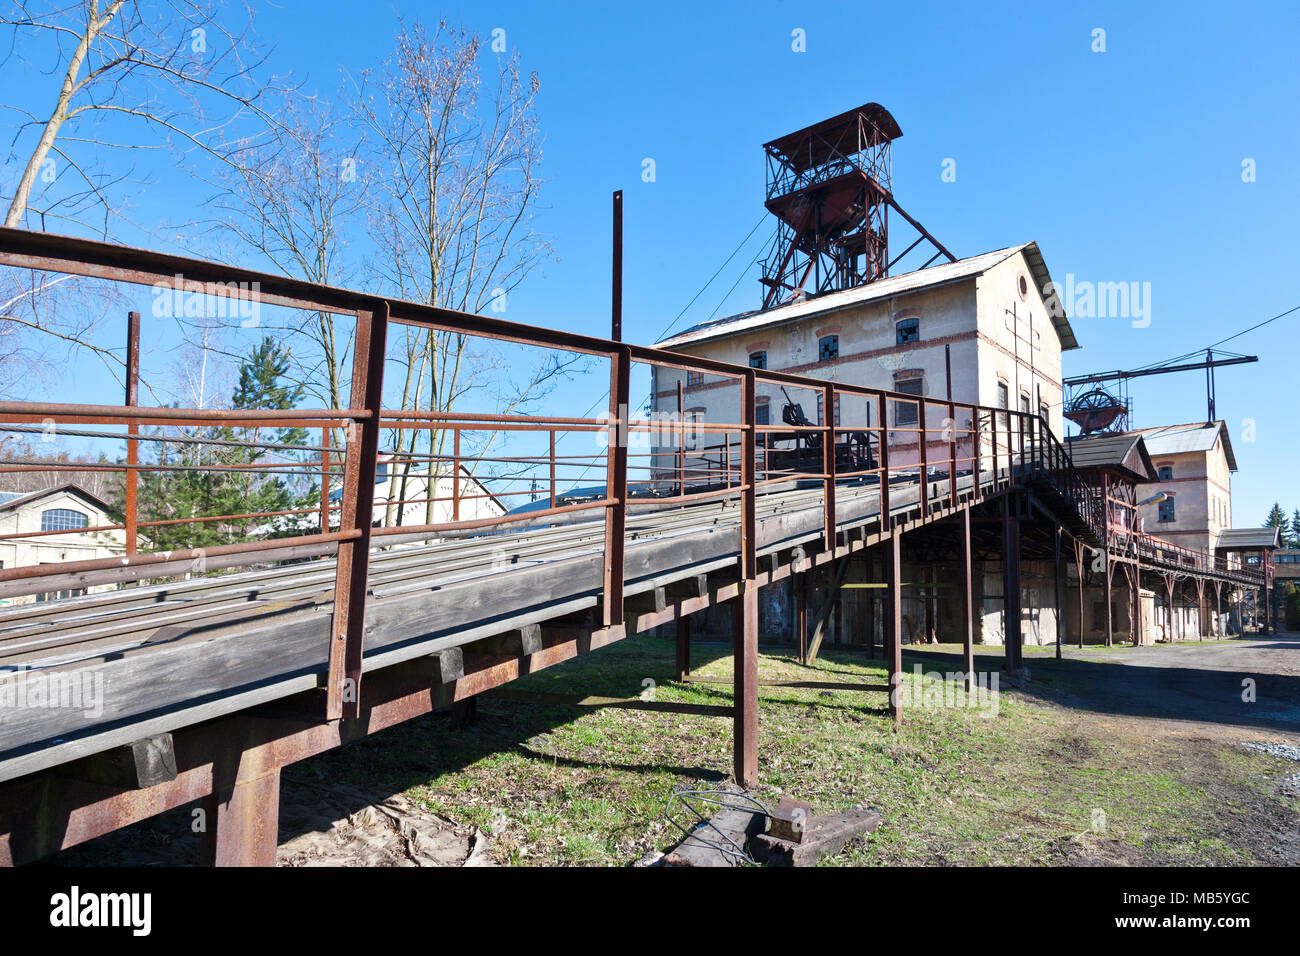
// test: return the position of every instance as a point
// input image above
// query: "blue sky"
(1124, 165)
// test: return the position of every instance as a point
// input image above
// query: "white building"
(56, 527)
(987, 315)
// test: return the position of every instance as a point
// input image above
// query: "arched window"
(909, 330)
(828, 347)
(63, 519)
(758, 359)
(1165, 473)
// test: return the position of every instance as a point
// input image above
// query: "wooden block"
(789, 819)
(135, 766)
(646, 602)
(823, 836)
(451, 664)
(697, 585)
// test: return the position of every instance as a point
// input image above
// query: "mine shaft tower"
(829, 187)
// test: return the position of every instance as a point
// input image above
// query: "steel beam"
(745, 609)
(683, 667)
(1011, 609)
(361, 459)
(968, 602)
(241, 822)
(893, 561)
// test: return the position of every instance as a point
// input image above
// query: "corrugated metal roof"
(1179, 439)
(1125, 452)
(1234, 539)
(938, 275)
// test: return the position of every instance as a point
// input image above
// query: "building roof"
(1180, 439)
(1125, 453)
(932, 277)
(1247, 539)
(17, 499)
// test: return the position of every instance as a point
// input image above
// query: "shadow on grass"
(1176, 691)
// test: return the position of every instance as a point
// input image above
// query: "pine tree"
(1276, 518)
(210, 482)
(260, 387)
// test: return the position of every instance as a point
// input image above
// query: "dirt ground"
(1188, 704)
(1169, 738)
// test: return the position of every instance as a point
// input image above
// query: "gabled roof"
(1247, 539)
(1180, 439)
(1125, 454)
(932, 277)
(21, 499)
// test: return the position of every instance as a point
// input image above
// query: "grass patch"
(557, 784)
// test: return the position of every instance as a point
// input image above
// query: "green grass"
(557, 784)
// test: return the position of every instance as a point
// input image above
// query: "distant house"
(1194, 465)
(52, 526)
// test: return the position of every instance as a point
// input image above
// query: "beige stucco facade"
(993, 322)
(1199, 484)
(23, 516)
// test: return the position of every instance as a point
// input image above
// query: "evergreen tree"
(209, 481)
(260, 387)
(1276, 518)
(1295, 529)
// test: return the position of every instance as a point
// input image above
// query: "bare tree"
(295, 201)
(458, 185)
(188, 71)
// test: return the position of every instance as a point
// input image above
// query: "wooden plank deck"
(177, 653)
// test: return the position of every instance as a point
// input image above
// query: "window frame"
(761, 355)
(823, 349)
(907, 330)
(51, 526)
(902, 408)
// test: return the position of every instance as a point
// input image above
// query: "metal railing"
(883, 442)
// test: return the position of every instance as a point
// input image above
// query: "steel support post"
(1137, 599)
(1011, 583)
(683, 646)
(1078, 569)
(241, 823)
(745, 671)
(343, 691)
(132, 446)
(893, 561)
(616, 485)
(1057, 598)
(800, 583)
(968, 602)
(828, 468)
(1110, 615)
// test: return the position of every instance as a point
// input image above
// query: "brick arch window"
(758, 359)
(63, 519)
(828, 347)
